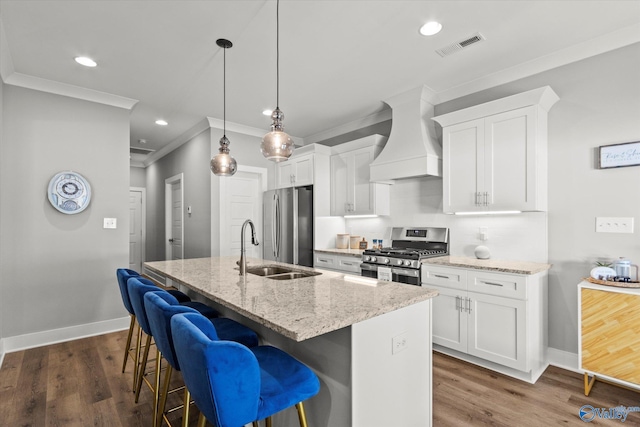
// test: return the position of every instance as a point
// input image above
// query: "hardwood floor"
(80, 383)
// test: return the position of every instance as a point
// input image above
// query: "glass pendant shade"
(276, 145)
(223, 164)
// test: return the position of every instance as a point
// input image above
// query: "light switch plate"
(110, 223)
(614, 225)
(399, 343)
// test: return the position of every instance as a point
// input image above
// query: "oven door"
(369, 270)
(409, 276)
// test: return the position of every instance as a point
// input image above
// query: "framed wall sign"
(69, 192)
(619, 155)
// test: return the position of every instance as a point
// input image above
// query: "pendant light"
(223, 164)
(276, 145)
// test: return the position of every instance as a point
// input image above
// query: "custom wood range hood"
(412, 149)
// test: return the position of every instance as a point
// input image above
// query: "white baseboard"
(1, 351)
(38, 339)
(563, 359)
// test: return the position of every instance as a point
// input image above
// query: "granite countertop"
(516, 267)
(298, 309)
(357, 253)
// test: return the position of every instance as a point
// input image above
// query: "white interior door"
(241, 199)
(136, 228)
(174, 217)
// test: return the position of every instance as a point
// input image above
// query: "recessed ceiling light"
(267, 112)
(87, 62)
(430, 28)
(162, 122)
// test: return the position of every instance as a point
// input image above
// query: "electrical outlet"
(614, 225)
(110, 223)
(484, 233)
(399, 343)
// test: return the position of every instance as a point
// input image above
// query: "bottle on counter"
(375, 244)
(363, 244)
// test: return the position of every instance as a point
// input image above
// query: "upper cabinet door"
(339, 185)
(463, 168)
(510, 160)
(295, 172)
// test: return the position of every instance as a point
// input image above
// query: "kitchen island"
(368, 341)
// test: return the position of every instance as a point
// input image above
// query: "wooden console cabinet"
(609, 319)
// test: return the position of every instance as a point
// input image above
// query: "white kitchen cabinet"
(295, 172)
(496, 320)
(495, 154)
(352, 193)
(336, 262)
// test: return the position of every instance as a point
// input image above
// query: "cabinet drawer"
(442, 276)
(503, 285)
(323, 260)
(349, 264)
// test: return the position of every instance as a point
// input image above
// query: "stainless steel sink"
(268, 270)
(277, 272)
(289, 276)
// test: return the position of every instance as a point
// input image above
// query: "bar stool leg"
(127, 348)
(267, 422)
(163, 395)
(156, 388)
(302, 417)
(136, 360)
(185, 413)
(202, 421)
(142, 367)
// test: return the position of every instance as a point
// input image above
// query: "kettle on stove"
(622, 267)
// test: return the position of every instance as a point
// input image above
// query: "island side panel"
(392, 386)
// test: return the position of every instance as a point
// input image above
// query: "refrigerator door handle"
(276, 228)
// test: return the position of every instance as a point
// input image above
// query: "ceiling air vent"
(145, 151)
(458, 46)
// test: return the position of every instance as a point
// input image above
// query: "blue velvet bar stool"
(138, 287)
(233, 385)
(124, 274)
(160, 308)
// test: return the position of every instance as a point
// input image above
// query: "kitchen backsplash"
(418, 202)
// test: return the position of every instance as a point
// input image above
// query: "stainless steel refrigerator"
(288, 225)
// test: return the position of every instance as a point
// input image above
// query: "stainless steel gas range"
(409, 246)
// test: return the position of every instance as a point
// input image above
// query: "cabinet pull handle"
(492, 283)
(457, 303)
(468, 304)
(440, 277)
(486, 198)
(477, 197)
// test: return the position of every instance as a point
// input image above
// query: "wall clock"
(69, 192)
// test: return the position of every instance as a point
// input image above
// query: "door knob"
(171, 240)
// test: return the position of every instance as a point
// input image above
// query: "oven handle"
(369, 267)
(406, 272)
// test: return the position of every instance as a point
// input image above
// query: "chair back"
(160, 308)
(138, 287)
(123, 275)
(222, 376)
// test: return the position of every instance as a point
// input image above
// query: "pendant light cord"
(224, 91)
(277, 54)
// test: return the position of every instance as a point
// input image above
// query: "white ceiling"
(339, 60)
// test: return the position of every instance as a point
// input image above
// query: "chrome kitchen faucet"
(254, 241)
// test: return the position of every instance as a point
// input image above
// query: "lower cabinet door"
(497, 330)
(449, 319)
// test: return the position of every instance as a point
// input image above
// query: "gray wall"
(599, 105)
(58, 270)
(192, 159)
(137, 177)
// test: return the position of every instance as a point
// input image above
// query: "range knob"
(385, 260)
(407, 262)
(373, 259)
(367, 258)
(399, 262)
